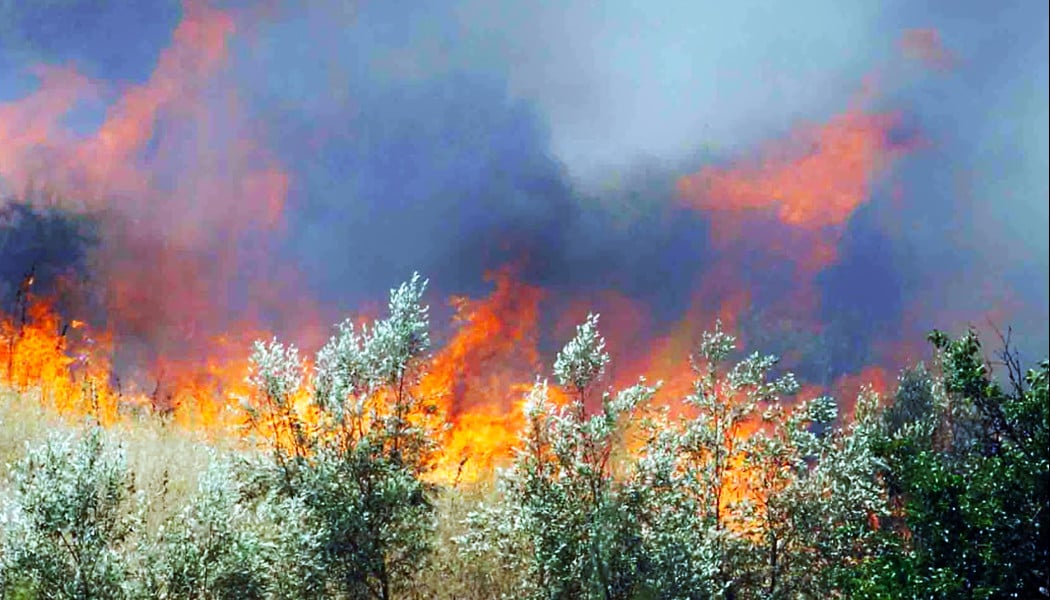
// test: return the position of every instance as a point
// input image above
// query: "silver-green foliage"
(744, 495)
(566, 517)
(66, 520)
(750, 496)
(227, 544)
(354, 467)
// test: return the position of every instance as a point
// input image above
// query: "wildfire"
(66, 366)
(481, 374)
(477, 378)
(171, 244)
(812, 183)
(69, 365)
(173, 211)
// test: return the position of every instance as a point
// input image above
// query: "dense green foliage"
(939, 491)
(967, 469)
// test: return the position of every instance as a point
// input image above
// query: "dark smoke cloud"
(450, 138)
(425, 158)
(40, 247)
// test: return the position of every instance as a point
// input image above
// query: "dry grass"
(22, 420)
(451, 575)
(166, 461)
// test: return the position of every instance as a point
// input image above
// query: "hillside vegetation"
(739, 490)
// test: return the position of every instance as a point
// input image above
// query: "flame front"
(59, 360)
(190, 197)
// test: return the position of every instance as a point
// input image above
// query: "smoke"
(174, 176)
(833, 180)
(43, 250)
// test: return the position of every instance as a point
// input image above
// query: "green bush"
(356, 467)
(942, 492)
(743, 496)
(67, 519)
(969, 477)
(580, 530)
(213, 548)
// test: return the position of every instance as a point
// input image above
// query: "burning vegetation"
(156, 239)
(607, 494)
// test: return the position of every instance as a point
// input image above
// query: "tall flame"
(176, 212)
(482, 372)
(59, 360)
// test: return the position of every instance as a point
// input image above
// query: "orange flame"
(171, 245)
(482, 373)
(812, 182)
(66, 365)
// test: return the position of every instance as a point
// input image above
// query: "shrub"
(573, 524)
(351, 449)
(969, 480)
(67, 520)
(742, 496)
(212, 548)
